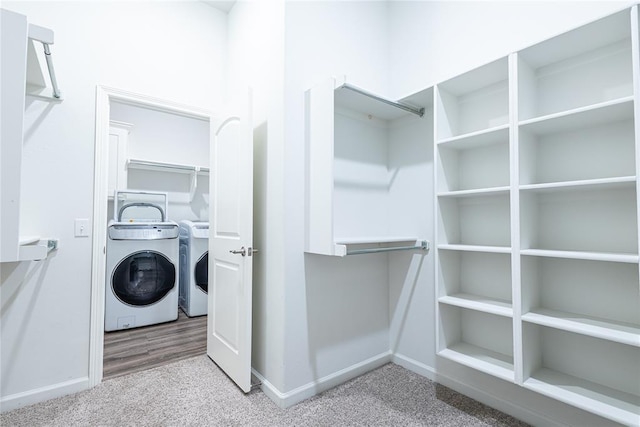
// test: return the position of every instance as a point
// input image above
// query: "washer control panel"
(143, 231)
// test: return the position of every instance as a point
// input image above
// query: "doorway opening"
(148, 164)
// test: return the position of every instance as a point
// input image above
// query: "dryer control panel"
(143, 231)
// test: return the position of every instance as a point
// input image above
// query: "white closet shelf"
(34, 248)
(587, 184)
(494, 135)
(364, 245)
(482, 359)
(588, 116)
(194, 171)
(476, 248)
(623, 333)
(604, 401)
(479, 303)
(167, 167)
(38, 93)
(28, 240)
(590, 256)
(492, 191)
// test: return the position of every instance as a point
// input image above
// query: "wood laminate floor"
(134, 350)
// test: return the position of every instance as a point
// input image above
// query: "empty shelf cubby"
(590, 373)
(476, 339)
(581, 68)
(473, 102)
(477, 280)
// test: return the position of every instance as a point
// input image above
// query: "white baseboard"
(414, 366)
(524, 414)
(19, 400)
(519, 412)
(285, 400)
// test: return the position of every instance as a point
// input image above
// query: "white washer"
(194, 267)
(142, 268)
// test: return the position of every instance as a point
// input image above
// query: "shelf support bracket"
(194, 183)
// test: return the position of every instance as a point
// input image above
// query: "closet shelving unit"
(578, 167)
(359, 173)
(473, 185)
(22, 77)
(538, 212)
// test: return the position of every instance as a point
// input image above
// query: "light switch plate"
(82, 227)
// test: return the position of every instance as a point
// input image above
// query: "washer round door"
(202, 272)
(143, 278)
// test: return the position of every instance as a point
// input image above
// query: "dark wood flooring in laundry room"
(138, 349)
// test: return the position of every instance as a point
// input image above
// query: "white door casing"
(104, 95)
(230, 244)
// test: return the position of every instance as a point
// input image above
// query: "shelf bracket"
(194, 183)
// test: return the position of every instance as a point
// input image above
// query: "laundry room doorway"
(219, 191)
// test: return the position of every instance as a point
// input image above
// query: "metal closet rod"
(52, 73)
(417, 111)
(424, 245)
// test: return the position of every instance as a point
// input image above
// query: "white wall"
(170, 50)
(336, 309)
(432, 41)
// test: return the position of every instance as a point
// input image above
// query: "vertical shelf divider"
(635, 58)
(514, 157)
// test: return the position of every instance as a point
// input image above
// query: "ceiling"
(224, 6)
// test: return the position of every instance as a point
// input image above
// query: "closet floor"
(134, 350)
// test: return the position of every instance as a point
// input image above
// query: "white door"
(230, 245)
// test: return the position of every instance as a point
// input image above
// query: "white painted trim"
(99, 242)
(151, 102)
(519, 412)
(290, 398)
(104, 95)
(415, 366)
(19, 400)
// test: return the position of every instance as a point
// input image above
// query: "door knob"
(242, 251)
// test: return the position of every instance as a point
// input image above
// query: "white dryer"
(194, 267)
(142, 263)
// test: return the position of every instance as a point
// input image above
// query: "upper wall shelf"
(171, 167)
(165, 167)
(353, 97)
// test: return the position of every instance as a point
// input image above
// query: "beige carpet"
(194, 392)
